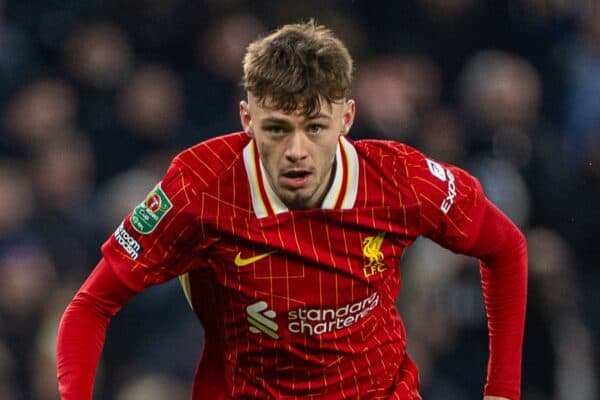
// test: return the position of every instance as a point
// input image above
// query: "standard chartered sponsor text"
(316, 321)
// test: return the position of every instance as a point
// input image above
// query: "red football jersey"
(296, 302)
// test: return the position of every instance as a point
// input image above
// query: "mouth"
(295, 178)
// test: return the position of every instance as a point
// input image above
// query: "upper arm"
(452, 202)
(154, 242)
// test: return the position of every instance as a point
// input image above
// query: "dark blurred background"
(96, 97)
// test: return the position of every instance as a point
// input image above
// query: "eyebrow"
(285, 121)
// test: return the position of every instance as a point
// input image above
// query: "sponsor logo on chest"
(310, 321)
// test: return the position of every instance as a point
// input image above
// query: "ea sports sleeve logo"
(146, 215)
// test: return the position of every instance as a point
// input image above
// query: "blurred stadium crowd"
(97, 96)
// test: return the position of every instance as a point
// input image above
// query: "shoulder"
(373, 148)
(405, 159)
(435, 180)
(210, 159)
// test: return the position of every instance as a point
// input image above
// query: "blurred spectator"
(27, 277)
(505, 187)
(500, 96)
(17, 203)
(43, 357)
(154, 321)
(7, 379)
(161, 29)
(158, 334)
(501, 105)
(393, 94)
(63, 174)
(578, 56)
(448, 343)
(447, 31)
(151, 104)
(39, 112)
(556, 336)
(18, 57)
(153, 387)
(213, 90)
(149, 123)
(99, 56)
(547, 8)
(120, 194)
(48, 21)
(151, 113)
(579, 222)
(582, 98)
(223, 44)
(442, 136)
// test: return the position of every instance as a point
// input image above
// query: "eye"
(275, 129)
(315, 129)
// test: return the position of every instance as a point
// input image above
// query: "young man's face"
(297, 152)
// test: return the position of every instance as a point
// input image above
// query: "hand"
(494, 398)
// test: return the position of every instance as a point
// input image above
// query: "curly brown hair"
(296, 67)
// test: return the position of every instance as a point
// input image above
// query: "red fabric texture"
(82, 330)
(504, 277)
(324, 258)
(502, 250)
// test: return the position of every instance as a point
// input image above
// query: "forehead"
(266, 110)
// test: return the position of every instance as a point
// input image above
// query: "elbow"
(521, 243)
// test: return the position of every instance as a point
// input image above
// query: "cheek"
(329, 154)
(268, 156)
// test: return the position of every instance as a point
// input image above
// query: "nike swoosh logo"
(242, 262)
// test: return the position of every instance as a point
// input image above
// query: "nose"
(295, 147)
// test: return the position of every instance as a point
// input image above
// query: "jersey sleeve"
(456, 214)
(451, 200)
(156, 241)
(82, 330)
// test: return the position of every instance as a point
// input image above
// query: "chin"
(297, 202)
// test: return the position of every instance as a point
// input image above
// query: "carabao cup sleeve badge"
(147, 215)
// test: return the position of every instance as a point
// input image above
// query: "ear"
(246, 118)
(348, 117)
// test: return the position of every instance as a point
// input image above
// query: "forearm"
(80, 340)
(82, 331)
(504, 282)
